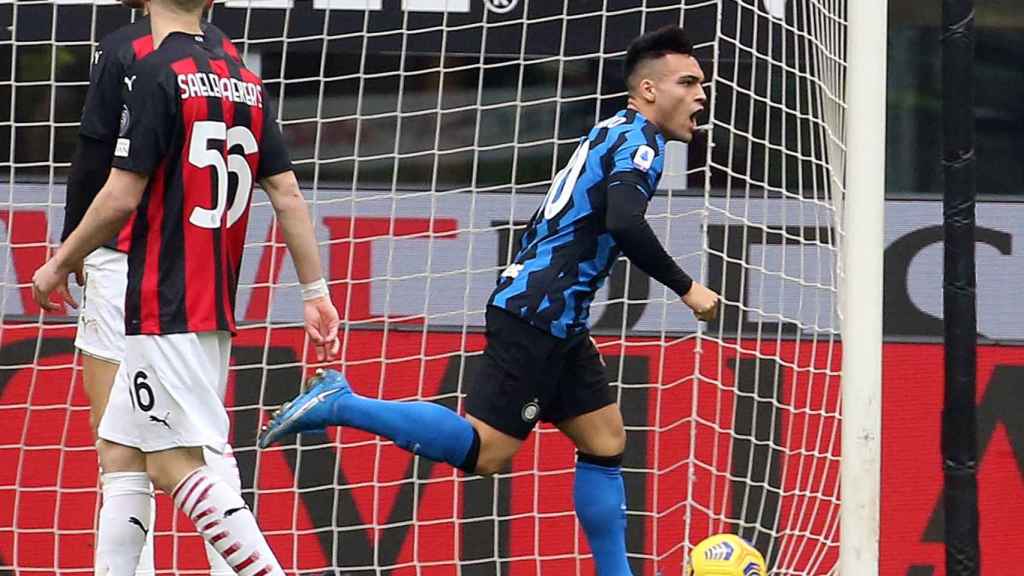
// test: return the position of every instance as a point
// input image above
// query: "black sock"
(469, 463)
(606, 461)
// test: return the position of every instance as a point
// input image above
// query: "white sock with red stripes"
(226, 468)
(225, 522)
(124, 524)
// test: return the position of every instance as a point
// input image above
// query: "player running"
(194, 117)
(100, 335)
(540, 363)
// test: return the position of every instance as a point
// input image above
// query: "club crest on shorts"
(530, 412)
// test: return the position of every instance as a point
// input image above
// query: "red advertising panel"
(912, 461)
(357, 502)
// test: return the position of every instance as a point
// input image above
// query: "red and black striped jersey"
(105, 102)
(202, 127)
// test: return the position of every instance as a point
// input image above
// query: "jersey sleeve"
(103, 105)
(639, 159)
(274, 158)
(90, 166)
(151, 120)
(625, 220)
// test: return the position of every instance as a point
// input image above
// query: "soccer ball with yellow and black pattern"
(725, 555)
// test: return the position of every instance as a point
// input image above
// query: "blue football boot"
(310, 410)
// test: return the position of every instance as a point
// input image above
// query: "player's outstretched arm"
(293, 217)
(625, 220)
(108, 213)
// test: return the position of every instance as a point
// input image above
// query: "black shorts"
(528, 375)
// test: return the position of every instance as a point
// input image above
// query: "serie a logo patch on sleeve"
(122, 147)
(643, 158)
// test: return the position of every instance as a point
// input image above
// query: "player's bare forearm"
(109, 211)
(296, 226)
(107, 214)
(293, 216)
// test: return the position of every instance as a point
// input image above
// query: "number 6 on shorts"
(140, 387)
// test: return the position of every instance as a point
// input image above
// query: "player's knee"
(169, 467)
(490, 464)
(493, 457)
(119, 458)
(495, 450)
(161, 477)
(611, 442)
(616, 442)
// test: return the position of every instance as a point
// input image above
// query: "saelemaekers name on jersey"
(210, 85)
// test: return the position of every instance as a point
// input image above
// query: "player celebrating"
(100, 335)
(540, 363)
(193, 118)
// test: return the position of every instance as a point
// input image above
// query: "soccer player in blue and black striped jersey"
(540, 363)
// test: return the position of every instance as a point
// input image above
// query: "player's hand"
(50, 278)
(703, 301)
(322, 327)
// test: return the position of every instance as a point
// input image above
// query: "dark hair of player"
(653, 45)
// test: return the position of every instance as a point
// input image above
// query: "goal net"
(425, 133)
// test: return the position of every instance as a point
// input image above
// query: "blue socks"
(423, 428)
(600, 499)
(437, 433)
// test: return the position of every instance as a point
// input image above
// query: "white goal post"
(425, 133)
(864, 211)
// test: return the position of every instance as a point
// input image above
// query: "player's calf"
(598, 490)
(225, 522)
(218, 512)
(224, 466)
(125, 518)
(423, 428)
(125, 521)
(600, 499)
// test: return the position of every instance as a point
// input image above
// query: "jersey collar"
(179, 36)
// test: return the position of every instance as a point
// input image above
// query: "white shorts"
(101, 322)
(168, 393)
